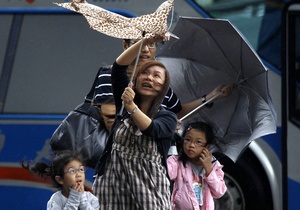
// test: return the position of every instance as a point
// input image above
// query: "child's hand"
(205, 160)
(78, 186)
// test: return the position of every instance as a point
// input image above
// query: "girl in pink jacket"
(197, 175)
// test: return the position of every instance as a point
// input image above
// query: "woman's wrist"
(208, 105)
(133, 110)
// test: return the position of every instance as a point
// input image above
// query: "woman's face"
(150, 81)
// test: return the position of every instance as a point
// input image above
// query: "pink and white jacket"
(183, 195)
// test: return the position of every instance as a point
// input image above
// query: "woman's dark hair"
(161, 95)
(56, 168)
(200, 126)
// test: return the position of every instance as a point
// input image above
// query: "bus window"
(293, 63)
(246, 15)
(41, 83)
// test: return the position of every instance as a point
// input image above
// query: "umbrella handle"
(134, 70)
(197, 108)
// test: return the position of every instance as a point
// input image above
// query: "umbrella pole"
(134, 70)
(197, 108)
(136, 61)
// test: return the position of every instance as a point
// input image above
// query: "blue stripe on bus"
(293, 194)
(57, 11)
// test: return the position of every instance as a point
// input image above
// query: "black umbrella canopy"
(210, 53)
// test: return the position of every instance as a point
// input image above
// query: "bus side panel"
(23, 142)
(21, 197)
(293, 194)
(19, 141)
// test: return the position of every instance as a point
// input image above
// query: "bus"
(49, 57)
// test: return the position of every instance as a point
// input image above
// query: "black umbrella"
(210, 53)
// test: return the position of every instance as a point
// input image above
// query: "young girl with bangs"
(67, 172)
(198, 177)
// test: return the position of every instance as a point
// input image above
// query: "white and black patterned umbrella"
(210, 53)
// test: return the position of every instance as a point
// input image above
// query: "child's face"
(194, 142)
(74, 176)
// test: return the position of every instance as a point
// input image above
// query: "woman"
(133, 172)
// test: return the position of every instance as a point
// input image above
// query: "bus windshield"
(258, 20)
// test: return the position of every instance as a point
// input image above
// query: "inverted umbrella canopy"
(118, 26)
(210, 53)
